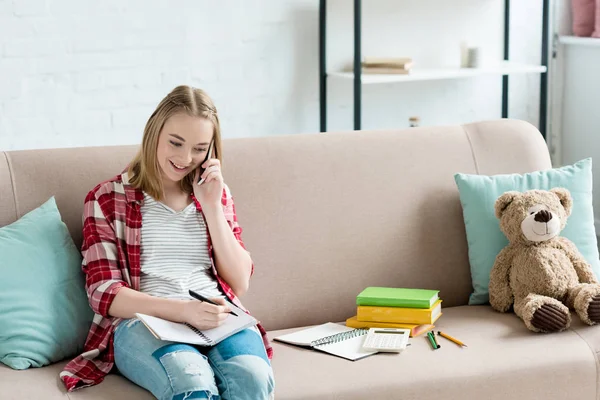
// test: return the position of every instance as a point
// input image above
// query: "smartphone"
(208, 156)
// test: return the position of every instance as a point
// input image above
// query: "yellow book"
(415, 330)
(400, 315)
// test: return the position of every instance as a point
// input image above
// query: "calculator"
(392, 340)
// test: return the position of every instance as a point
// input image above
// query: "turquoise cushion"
(485, 239)
(44, 311)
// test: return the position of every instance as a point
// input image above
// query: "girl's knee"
(189, 373)
(251, 376)
(260, 376)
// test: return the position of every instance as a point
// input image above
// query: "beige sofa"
(325, 215)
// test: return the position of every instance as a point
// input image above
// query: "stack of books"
(387, 65)
(385, 307)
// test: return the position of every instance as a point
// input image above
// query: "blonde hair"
(144, 170)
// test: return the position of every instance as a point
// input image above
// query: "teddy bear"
(540, 274)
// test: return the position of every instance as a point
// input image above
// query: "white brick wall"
(85, 72)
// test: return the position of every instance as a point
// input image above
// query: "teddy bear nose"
(543, 216)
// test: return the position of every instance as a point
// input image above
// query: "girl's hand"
(210, 191)
(202, 315)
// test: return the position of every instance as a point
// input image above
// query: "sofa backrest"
(323, 215)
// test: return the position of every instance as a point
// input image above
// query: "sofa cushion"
(503, 360)
(44, 311)
(478, 194)
(34, 383)
(43, 383)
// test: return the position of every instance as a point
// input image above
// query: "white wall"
(83, 72)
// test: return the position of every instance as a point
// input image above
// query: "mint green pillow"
(485, 239)
(44, 310)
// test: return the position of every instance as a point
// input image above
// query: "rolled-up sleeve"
(100, 257)
(231, 217)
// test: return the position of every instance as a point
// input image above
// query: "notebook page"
(231, 325)
(176, 332)
(350, 349)
(305, 336)
(171, 331)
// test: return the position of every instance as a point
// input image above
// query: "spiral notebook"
(184, 333)
(335, 339)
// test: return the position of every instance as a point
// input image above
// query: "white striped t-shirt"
(174, 252)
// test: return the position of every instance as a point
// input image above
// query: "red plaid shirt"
(111, 260)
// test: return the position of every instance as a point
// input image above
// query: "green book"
(397, 297)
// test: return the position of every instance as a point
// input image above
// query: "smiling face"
(182, 146)
(534, 216)
(541, 223)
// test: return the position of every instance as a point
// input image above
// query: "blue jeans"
(236, 368)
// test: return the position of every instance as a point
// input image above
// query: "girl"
(151, 234)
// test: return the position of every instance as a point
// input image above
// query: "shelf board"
(428, 74)
(579, 41)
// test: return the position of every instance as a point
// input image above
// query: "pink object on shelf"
(584, 17)
(596, 32)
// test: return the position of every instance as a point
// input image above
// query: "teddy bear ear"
(504, 201)
(565, 198)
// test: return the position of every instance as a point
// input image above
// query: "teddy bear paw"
(551, 318)
(594, 309)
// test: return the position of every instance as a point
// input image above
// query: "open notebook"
(336, 339)
(184, 333)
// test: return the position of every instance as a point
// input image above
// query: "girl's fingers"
(211, 173)
(209, 170)
(210, 163)
(213, 176)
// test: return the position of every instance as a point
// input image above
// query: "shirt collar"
(132, 194)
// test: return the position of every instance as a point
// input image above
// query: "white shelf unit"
(429, 74)
(503, 68)
(579, 41)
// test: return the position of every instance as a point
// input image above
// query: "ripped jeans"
(236, 368)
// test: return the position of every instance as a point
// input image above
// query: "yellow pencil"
(458, 342)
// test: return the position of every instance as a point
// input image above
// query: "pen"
(202, 298)
(431, 339)
(458, 342)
